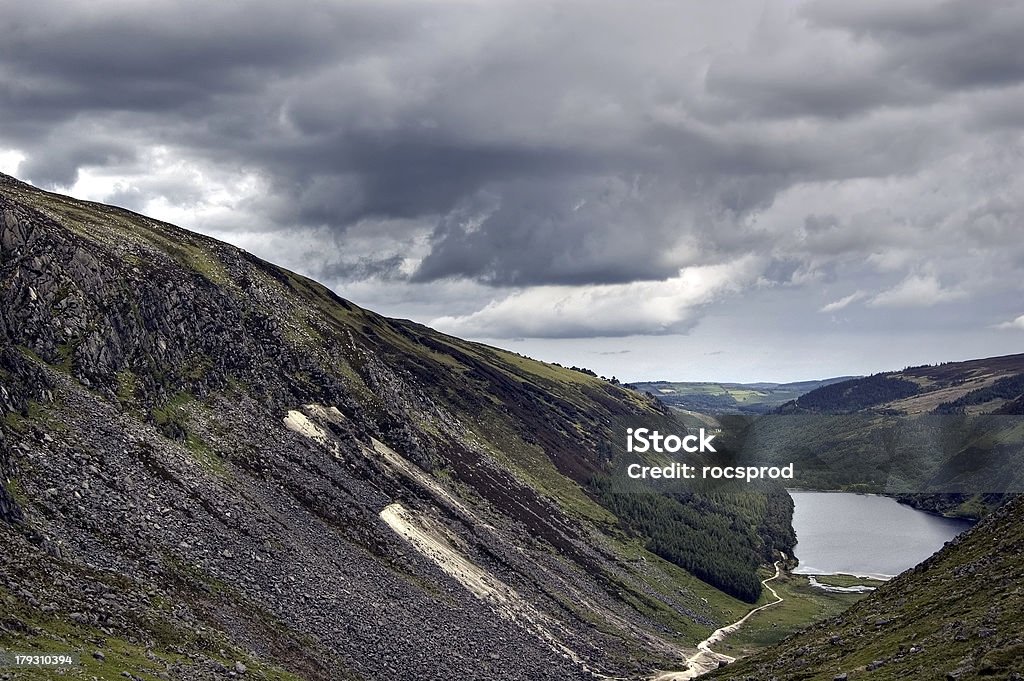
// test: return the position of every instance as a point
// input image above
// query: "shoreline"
(837, 589)
(893, 495)
(878, 577)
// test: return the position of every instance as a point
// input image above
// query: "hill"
(980, 386)
(956, 616)
(215, 466)
(945, 438)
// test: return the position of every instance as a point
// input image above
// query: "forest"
(1008, 388)
(857, 394)
(722, 544)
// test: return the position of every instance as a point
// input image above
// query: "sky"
(655, 189)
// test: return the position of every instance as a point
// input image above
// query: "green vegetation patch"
(171, 417)
(802, 606)
(20, 422)
(858, 394)
(848, 581)
(109, 658)
(721, 541)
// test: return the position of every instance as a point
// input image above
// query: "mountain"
(213, 466)
(956, 616)
(730, 398)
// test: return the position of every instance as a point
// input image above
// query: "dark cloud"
(59, 163)
(575, 230)
(63, 58)
(520, 144)
(950, 44)
(365, 268)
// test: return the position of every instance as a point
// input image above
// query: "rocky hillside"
(214, 467)
(957, 616)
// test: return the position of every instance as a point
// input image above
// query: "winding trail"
(706, 659)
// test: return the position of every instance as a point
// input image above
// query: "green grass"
(127, 384)
(173, 410)
(975, 507)
(14, 421)
(205, 455)
(20, 422)
(16, 493)
(531, 465)
(848, 580)
(67, 354)
(111, 225)
(674, 582)
(545, 371)
(177, 419)
(802, 606)
(41, 634)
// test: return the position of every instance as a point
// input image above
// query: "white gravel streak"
(298, 422)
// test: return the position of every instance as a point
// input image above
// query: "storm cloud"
(536, 159)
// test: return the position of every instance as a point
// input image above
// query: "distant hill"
(958, 616)
(946, 438)
(731, 398)
(981, 386)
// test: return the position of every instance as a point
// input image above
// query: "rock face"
(216, 467)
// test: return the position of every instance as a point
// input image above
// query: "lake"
(864, 534)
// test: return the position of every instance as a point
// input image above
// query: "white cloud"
(166, 185)
(837, 305)
(10, 159)
(1017, 324)
(648, 307)
(916, 291)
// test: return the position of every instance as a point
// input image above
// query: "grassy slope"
(556, 466)
(107, 658)
(961, 612)
(802, 604)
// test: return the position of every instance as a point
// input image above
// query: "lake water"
(864, 534)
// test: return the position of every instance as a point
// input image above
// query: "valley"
(223, 463)
(956, 616)
(214, 466)
(730, 398)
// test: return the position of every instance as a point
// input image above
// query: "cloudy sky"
(734, 190)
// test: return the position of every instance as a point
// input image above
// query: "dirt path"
(706, 659)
